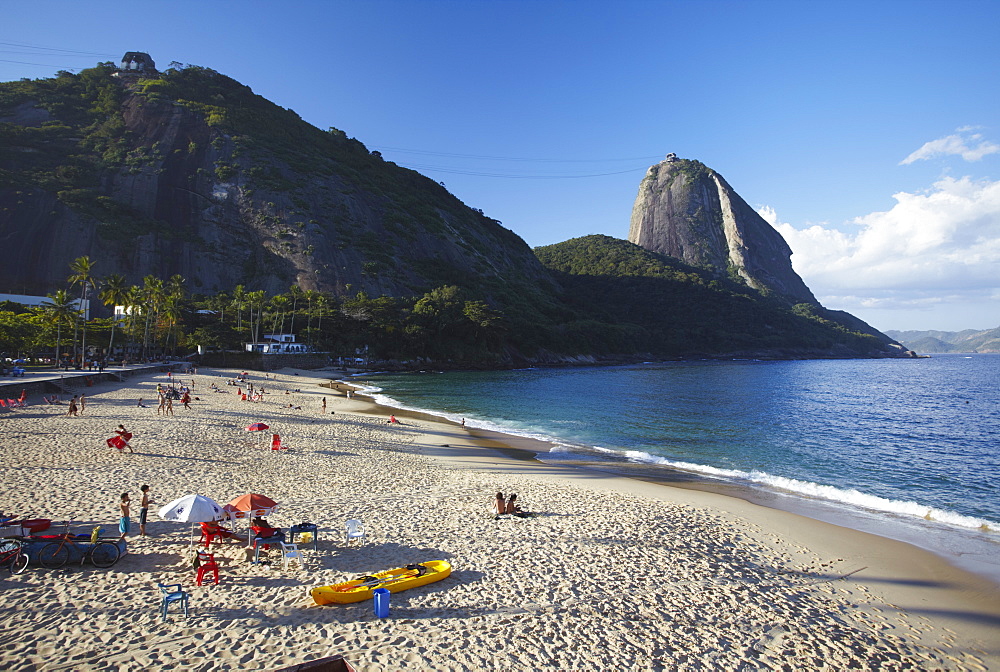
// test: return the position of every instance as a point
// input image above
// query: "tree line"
(160, 317)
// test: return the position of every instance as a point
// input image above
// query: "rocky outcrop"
(688, 211)
(195, 175)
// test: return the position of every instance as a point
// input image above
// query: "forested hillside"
(660, 305)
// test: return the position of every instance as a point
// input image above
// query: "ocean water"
(905, 448)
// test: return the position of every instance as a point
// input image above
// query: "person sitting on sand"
(499, 506)
(140, 404)
(263, 529)
(512, 506)
(393, 421)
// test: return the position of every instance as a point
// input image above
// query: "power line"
(511, 158)
(44, 65)
(43, 48)
(455, 171)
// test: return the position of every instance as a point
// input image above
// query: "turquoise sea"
(909, 449)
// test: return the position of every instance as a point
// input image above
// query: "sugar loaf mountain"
(186, 173)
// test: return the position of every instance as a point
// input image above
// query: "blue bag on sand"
(381, 596)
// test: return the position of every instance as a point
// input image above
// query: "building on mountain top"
(137, 62)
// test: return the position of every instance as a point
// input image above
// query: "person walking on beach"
(324, 405)
(163, 402)
(124, 433)
(187, 400)
(170, 406)
(72, 407)
(125, 521)
(144, 509)
(83, 402)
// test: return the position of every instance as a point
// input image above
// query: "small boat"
(393, 580)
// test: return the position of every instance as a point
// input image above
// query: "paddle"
(374, 581)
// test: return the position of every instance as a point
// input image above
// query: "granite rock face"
(186, 194)
(688, 211)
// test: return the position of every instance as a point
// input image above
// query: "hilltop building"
(136, 62)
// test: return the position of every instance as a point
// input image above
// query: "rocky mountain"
(688, 211)
(189, 172)
(968, 340)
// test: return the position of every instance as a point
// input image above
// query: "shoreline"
(908, 576)
(976, 554)
(610, 571)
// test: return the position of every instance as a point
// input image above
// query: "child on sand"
(124, 522)
(72, 406)
(144, 509)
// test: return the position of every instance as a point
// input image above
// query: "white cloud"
(941, 246)
(965, 143)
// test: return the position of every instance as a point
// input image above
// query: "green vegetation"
(640, 301)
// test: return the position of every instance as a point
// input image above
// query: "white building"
(278, 344)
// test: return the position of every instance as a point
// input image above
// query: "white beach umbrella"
(192, 509)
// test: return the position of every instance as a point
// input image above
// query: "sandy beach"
(610, 573)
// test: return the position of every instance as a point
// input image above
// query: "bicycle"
(55, 555)
(12, 555)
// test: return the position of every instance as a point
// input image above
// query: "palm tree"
(152, 301)
(239, 298)
(172, 305)
(114, 294)
(82, 268)
(133, 305)
(256, 300)
(296, 293)
(60, 310)
(279, 305)
(310, 295)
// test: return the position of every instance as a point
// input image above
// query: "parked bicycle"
(55, 555)
(12, 555)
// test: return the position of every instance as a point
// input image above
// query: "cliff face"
(193, 174)
(688, 211)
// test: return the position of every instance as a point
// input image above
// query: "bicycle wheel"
(104, 554)
(54, 555)
(20, 562)
(7, 551)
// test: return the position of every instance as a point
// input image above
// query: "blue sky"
(546, 114)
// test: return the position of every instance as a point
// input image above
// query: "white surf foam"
(561, 450)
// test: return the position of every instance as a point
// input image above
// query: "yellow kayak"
(393, 580)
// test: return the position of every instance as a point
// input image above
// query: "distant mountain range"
(968, 340)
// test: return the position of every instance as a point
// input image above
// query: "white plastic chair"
(291, 552)
(355, 530)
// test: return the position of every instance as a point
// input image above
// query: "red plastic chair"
(275, 442)
(210, 532)
(207, 564)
